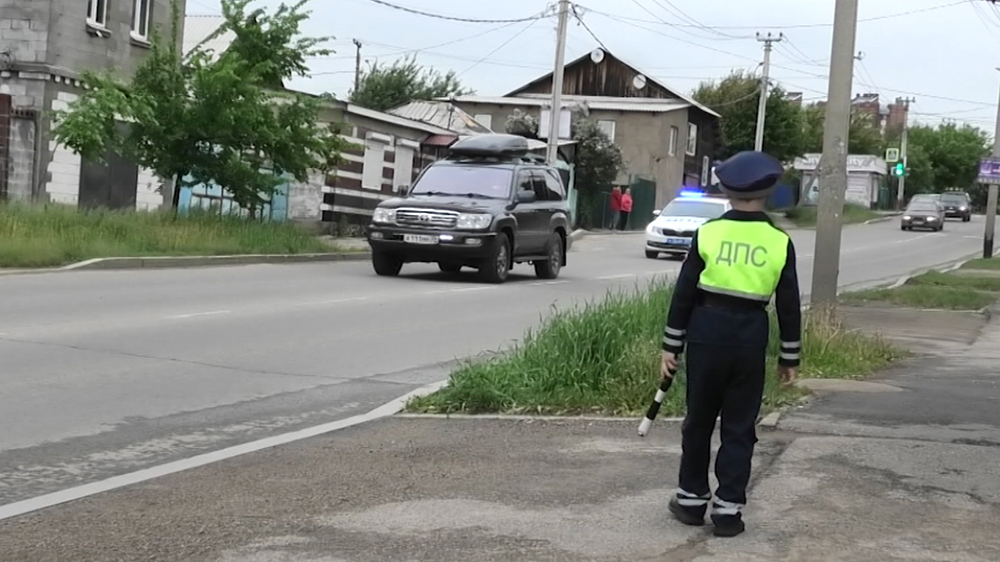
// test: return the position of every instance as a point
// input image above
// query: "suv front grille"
(427, 218)
(672, 232)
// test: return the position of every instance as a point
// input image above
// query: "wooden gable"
(609, 78)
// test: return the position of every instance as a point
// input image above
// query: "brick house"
(44, 47)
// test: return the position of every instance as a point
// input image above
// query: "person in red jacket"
(616, 206)
(626, 208)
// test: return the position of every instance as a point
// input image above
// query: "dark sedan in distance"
(923, 214)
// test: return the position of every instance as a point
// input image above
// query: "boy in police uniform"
(735, 265)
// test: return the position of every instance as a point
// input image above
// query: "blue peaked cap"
(749, 174)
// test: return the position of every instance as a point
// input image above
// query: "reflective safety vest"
(742, 258)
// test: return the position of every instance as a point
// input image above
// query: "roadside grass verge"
(52, 235)
(853, 214)
(602, 358)
(983, 263)
(938, 279)
(934, 290)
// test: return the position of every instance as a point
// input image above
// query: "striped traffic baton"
(654, 408)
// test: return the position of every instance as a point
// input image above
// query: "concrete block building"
(45, 45)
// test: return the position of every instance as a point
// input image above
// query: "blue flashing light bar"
(691, 193)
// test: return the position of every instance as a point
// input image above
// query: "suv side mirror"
(526, 196)
(656, 212)
(403, 190)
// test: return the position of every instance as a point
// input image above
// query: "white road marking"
(197, 314)
(71, 494)
(543, 283)
(459, 290)
(622, 276)
(334, 301)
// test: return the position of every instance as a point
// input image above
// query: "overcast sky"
(941, 52)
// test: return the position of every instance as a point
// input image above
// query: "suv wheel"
(496, 268)
(449, 267)
(386, 265)
(549, 269)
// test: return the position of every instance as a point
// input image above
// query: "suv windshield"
(953, 199)
(693, 208)
(467, 181)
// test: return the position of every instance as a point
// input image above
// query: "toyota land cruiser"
(488, 205)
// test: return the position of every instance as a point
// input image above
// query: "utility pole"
(833, 162)
(768, 41)
(552, 154)
(901, 184)
(357, 66)
(991, 199)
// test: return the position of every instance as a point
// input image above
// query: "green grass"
(51, 235)
(983, 263)
(938, 279)
(603, 358)
(853, 214)
(923, 296)
(935, 290)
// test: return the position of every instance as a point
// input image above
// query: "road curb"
(578, 234)
(208, 261)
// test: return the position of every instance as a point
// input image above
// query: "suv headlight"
(474, 221)
(963, 208)
(384, 215)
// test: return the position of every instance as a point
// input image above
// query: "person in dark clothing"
(719, 313)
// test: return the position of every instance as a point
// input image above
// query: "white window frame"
(372, 171)
(484, 119)
(403, 167)
(137, 23)
(605, 124)
(692, 141)
(96, 16)
(675, 135)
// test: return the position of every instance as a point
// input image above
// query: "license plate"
(678, 241)
(419, 239)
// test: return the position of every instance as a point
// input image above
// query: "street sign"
(989, 170)
(892, 155)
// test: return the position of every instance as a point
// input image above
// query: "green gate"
(643, 203)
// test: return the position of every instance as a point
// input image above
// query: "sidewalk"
(909, 472)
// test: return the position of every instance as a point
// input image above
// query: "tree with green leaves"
(212, 118)
(597, 159)
(736, 98)
(945, 156)
(386, 87)
(862, 138)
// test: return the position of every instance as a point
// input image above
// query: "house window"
(672, 141)
(97, 12)
(692, 142)
(608, 127)
(485, 119)
(141, 10)
(372, 172)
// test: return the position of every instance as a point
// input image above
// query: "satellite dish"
(597, 55)
(639, 82)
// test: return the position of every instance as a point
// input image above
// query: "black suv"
(956, 204)
(488, 205)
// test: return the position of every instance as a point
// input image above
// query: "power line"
(414, 11)
(501, 46)
(679, 27)
(684, 16)
(579, 18)
(802, 26)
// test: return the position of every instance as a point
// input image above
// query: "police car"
(674, 226)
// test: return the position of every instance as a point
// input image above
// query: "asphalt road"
(106, 373)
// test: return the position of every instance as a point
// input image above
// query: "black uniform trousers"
(726, 357)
